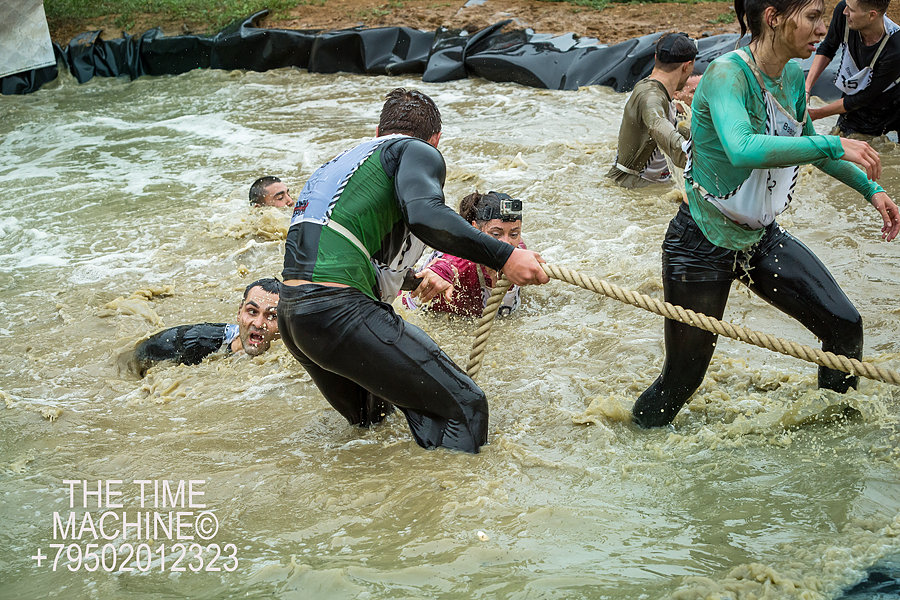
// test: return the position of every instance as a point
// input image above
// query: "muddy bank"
(614, 24)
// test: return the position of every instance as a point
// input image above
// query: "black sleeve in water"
(184, 344)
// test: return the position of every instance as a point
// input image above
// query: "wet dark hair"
(752, 11)
(269, 284)
(473, 205)
(468, 206)
(409, 112)
(879, 6)
(258, 188)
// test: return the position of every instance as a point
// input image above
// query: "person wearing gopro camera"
(648, 134)
(470, 284)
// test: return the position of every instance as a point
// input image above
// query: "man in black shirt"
(189, 344)
(869, 71)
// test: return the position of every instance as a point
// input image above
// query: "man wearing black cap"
(648, 128)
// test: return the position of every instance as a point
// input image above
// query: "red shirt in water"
(472, 287)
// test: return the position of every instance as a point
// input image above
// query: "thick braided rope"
(483, 328)
(707, 323)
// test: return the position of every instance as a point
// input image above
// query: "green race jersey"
(373, 207)
(729, 142)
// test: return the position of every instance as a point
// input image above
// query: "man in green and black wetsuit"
(378, 204)
(647, 133)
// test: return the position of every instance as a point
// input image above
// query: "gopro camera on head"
(506, 208)
(510, 209)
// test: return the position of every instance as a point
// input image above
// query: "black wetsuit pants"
(360, 353)
(871, 120)
(780, 269)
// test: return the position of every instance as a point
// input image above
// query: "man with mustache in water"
(189, 344)
(378, 203)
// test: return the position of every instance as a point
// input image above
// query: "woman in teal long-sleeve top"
(749, 132)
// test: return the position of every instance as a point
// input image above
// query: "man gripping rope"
(378, 203)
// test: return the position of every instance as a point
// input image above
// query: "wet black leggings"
(787, 275)
(366, 359)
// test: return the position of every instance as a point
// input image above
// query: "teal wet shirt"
(729, 142)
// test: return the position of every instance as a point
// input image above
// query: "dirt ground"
(616, 23)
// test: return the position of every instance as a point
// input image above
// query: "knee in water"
(846, 335)
(475, 400)
(853, 328)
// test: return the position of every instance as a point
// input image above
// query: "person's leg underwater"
(442, 404)
(353, 346)
(688, 352)
(355, 403)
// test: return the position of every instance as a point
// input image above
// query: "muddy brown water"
(124, 211)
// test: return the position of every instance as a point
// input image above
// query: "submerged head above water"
(270, 191)
(258, 317)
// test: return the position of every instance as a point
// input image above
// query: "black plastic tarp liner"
(31, 81)
(563, 62)
(552, 62)
(381, 51)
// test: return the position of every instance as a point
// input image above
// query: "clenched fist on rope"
(523, 267)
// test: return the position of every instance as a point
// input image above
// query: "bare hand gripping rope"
(676, 313)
